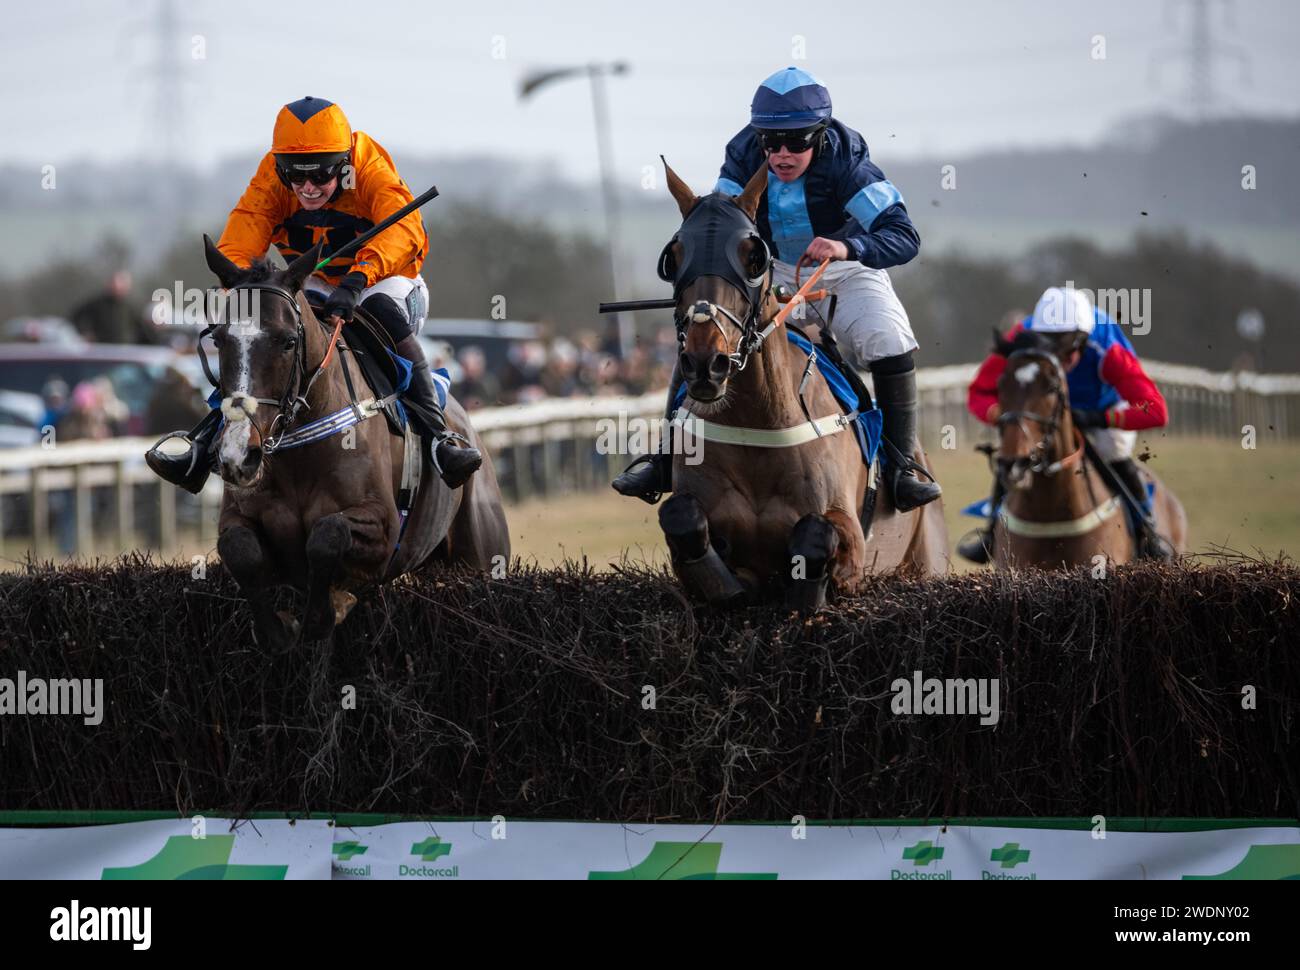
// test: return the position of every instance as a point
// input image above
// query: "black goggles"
(322, 175)
(793, 141)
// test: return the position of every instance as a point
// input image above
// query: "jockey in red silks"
(1111, 397)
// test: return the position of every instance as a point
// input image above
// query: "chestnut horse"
(760, 512)
(319, 511)
(1058, 510)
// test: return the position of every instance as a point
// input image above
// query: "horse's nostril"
(687, 364)
(720, 365)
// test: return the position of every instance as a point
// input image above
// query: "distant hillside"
(1150, 174)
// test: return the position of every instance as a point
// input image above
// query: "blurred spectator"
(55, 395)
(559, 376)
(561, 367)
(116, 411)
(85, 417)
(109, 318)
(477, 388)
(173, 404)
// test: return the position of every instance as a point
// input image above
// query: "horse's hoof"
(343, 603)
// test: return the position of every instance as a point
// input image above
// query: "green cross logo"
(431, 849)
(1010, 855)
(346, 850)
(923, 853)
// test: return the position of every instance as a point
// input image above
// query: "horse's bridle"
(294, 399)
(1048, 425)
(711, 247)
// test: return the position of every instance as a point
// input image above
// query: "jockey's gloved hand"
(343, 300)
(1086, 419)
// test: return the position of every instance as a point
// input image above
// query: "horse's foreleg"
(328, 546)
(343, 548)
(244, 554)
(812, 549)
(695, 561)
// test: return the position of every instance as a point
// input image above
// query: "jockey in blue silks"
(826, 199)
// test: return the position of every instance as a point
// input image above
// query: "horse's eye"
(290, 343)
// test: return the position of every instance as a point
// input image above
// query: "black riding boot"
(453, 463)
(649, 476)
(895, 380)
(188, 470)
(977, 546)
(1149, 543)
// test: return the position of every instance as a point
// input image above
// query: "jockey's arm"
(381, 193)
(252, 222)
(879, 233)
(1146, 405)
(982, 396)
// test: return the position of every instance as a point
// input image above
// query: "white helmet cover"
(1063, 309)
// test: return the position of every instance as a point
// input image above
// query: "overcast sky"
(917, 78)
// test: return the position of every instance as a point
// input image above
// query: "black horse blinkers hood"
(711, 237)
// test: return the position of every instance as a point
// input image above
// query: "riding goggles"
(792, 141)
(318, 176)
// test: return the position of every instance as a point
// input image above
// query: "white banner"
(577, 850)
(315, 849)
(170, 849)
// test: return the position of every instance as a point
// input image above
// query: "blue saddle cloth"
(867, 425)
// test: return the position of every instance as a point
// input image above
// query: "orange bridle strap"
(334, 339)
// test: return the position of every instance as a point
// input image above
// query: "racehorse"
(1058, 509)
(318, 509)
(772, 504)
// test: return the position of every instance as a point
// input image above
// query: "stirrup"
(436, 441)
(650, 497)
(188, 471)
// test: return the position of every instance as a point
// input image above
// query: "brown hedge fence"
(527, 697)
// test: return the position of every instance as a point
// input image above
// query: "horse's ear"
(686, 199)
(754, 190)
(296, 273)
(227, 273)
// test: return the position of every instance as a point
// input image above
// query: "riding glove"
(343, 300)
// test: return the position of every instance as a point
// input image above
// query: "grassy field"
(1242, 500)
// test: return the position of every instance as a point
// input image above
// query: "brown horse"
(1058, 509)
(766, 507)
(323, 516)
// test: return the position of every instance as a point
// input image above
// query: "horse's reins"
(1052, 530)
(294, 398)
(1049, 426)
